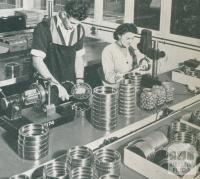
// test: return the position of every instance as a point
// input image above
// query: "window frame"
(165, 19)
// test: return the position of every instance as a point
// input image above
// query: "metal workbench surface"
(78, 132)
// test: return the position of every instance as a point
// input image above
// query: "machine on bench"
(42, 103)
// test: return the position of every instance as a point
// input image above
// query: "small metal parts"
(33, 141)
(81, 91)
(107, 161)
(147, 99)
(104, 113)
(160, 94)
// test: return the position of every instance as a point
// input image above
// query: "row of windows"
(185, 14)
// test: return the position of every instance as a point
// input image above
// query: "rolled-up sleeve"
(40, 41)
(108, 66)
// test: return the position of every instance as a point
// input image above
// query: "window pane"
(113, 10)
(9, 4)
(59, 5)
(40, 4)
(147, 13)
(91, 9)
(185, 19)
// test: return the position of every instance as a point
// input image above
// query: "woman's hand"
(62, 92)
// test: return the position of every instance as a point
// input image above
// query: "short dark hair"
(77, 9)
(124, 28)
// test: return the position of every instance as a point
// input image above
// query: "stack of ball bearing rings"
(56, 170)
(33, 141)
(107, 162)
(104, 113)
(136, 78)
(79, 156)
(147, 146)
(180, 132)
(127, 98)
(81, 163)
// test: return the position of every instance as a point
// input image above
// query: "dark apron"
(61, 61)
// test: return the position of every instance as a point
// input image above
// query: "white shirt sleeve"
(38, 53)
(108, 66)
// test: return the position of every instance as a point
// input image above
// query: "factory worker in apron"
(57, 47)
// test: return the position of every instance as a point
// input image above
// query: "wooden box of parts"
(167, 149)
(191, 81)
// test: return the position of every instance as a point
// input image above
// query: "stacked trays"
(33, 141)
(79, 156)
(104, 112)
(56, 170)
(127, 98)
(107, 161)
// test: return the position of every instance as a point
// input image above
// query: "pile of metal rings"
(127, 98)
(107, 161)
(79, 156)
(33, 141)
(82, 173)
(136, 78)
(169, 88)
(175, 128)
(147, 146)
(195, 117)
(104, 112)
(56, 169)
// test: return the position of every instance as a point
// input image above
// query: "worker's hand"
(119, 77)
(79, 80)
(62, 92)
